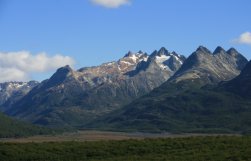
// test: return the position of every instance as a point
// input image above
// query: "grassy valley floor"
(193, 148)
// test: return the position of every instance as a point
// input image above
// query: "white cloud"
(244, 38)
(12, 74)
(18, 66)
(111, 3)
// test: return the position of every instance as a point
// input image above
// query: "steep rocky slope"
(241, 85)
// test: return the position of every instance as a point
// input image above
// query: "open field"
(76, 136)
(99, 135)
(197, 148)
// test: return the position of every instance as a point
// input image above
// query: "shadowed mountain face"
(181, 105)
(71, 98)
(240, 85)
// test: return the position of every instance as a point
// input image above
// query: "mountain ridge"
(211, 67)
(158, 92)
(188, 106)
(92, 91)
(11, 92)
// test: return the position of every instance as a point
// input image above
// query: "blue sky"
(92, 34)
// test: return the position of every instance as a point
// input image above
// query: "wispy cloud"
(111, 3)
(244, 38)
(18, 66)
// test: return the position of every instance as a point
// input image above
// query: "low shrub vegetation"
(209, 148)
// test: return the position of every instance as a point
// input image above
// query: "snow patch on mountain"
(9, 90)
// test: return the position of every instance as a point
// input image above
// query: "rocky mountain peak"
(219, 50)
(174, 53)
(240, 59)
(64, 70)
(129, 54)
(210, 68)
(163, 51)
(202, 49)
(130, 60)
(232, 51)
(167, 60)
(160, 60)
(59, 76)
(134, 56)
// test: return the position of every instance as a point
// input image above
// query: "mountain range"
(190, 101)
(208, 92)
(211, 67)
(72, 98)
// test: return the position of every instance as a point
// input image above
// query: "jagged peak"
(218, 50)
(63, 71)
(163, 51)
(175, 54)
(128, 54)
(58, 77)
(203, 49)
(232, 51)
(141, 52)
(65, 68)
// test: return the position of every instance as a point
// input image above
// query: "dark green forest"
(207, 148)
(14, 128)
